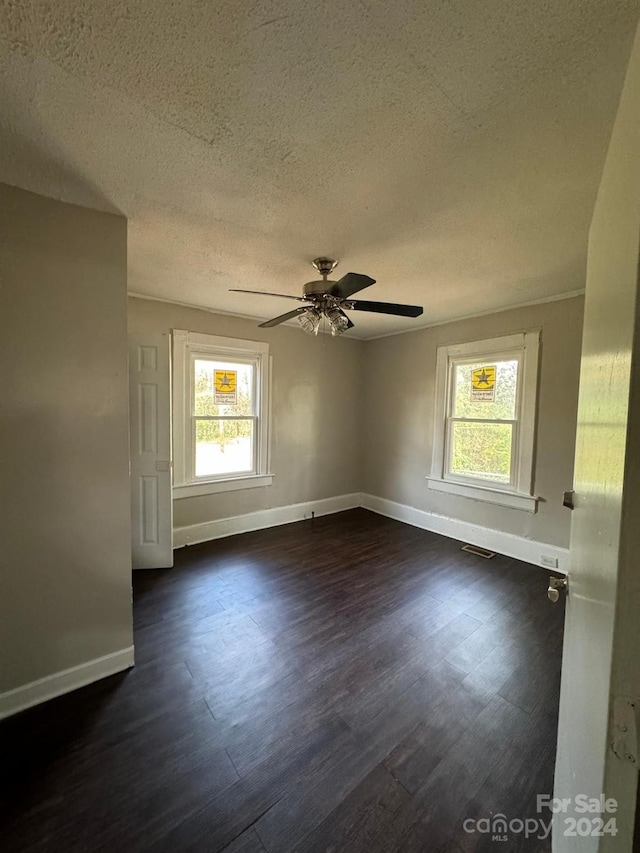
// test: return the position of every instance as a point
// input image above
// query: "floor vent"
(478, 551)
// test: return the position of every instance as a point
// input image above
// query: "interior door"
(150, 435)
(600, 675)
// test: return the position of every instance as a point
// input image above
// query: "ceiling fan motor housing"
(316, 288)
(325, 267)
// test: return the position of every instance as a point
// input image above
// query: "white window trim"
(521, 495)
(184, 345)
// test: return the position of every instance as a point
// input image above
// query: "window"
(485, 420)
(220, 414)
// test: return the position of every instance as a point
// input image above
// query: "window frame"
(187, 348)
(518, 493)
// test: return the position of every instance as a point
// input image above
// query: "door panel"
(602, 626)
(150, 407)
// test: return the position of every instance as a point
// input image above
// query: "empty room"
(320, 412)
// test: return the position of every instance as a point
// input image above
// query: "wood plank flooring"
(347, 684)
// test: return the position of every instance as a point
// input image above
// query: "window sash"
(232, 359)
(253, 361)
(525, 346)
(225, 417)
(472, 358)
(225, 475)
(487, 357)
(187, 347)
(195, 354)
(456, 477)
(484, 420)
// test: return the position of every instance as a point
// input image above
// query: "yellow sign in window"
(225, 385)
(483, 384)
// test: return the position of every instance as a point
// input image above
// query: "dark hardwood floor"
(348, 684)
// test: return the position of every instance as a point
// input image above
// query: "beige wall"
(66, 568)
(316, 410)
(399, 414)
(353, 416)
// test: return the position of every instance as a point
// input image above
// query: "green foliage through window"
(481, 450)
(481, 446)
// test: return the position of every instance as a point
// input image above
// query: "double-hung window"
(484, 428)
(220, 413)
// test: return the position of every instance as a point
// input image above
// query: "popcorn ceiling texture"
(452, 150)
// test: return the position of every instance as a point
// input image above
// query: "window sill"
(213, 487)
(514, 500)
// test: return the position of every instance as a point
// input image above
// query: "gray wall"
(316, 440)
(66, 566)
(352, 416)
(399, 414)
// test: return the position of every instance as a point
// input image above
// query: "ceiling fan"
(329, 300)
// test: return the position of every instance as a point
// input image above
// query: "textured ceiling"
(451, 150)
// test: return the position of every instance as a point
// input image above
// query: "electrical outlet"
(549, 562)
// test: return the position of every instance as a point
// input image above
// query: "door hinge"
(626, 722)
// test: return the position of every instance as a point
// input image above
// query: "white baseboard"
(65, 681)
(194, 533)
(527, 550)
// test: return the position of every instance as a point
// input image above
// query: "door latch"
(567, 499)
(555, 585)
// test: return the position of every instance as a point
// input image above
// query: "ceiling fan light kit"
(328, 300)
(338, 320)
(310, 320)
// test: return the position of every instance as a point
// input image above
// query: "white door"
(150, 416)
(600, 672)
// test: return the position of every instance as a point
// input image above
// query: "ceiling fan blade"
(282, 318)
(265, 293)
(350, 283)
(385, 308)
